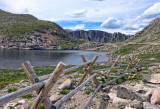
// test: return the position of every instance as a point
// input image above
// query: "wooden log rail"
(11, 96)
(42, 87)
(42, 78)
(105, 69)
(114, 64)
(123, 74)
(19, 93)
(88, 70)
(34, 79)
(66, 97)
(70, 94)
(92, 96)
(150, 64)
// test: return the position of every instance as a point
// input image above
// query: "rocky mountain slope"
(149, 34)
(23, 31)
(98, 36)
(145, 43)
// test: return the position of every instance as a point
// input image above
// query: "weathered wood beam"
(126, 64)
(123, 74)
(42, 78)
(47, 87)
(114, 64)
(70, 94)
(104, 62)
(92, 96)
(11, 96)
(34, 79)
(130, 61)
(105, 69)
(88, 70)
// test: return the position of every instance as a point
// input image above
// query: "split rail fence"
(43, 85)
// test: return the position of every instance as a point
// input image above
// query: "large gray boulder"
(128, 93)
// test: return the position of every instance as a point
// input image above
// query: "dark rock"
(99, 36)
(40, 31)
(127, 93)
(141, 91)
(136, 104)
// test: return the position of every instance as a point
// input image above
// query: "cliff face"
(23, 31)
(99, 36)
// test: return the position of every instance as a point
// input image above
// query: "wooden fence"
(42, 85)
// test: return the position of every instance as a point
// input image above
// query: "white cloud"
(152, 12)
(77, 13)
(131, 27)
(112, 23)
(77, 27)
(132, 14)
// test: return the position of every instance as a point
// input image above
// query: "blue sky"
(126, 16)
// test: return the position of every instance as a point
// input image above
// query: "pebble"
(21, 101)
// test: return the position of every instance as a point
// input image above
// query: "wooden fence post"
(88, 70)
(110, 59)
(34, 79)
(48, 86)
(114, 64)
(130, 62)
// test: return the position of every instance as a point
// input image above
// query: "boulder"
(136, 104)
(55, 98)
(153, 78)
(128, 93)
(112, 95)
(155, 99)
(120, 103)
(21, 101)
(67, 83)
(147, 105)
(9, 105)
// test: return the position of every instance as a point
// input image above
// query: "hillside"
(98, 36)
(23, 31)
(145, 43)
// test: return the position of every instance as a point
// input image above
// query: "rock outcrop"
(23, 31)
(99, 36)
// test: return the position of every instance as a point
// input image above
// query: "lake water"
(14, 58)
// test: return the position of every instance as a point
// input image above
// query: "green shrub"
(65, 91)
(74, 82)
(12, 89)
(27, 96)
(89, 91)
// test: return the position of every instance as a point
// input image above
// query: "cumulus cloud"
(77, 27)
(89, 11)
(131, 27)
(112, 23)
(77, 13)
(151, 12)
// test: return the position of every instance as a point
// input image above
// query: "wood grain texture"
(34, 79)
(47, 87)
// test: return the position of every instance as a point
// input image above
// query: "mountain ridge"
(144, 44)
(23, 31)
(99, 36)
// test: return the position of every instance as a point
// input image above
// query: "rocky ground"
(129, 95)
